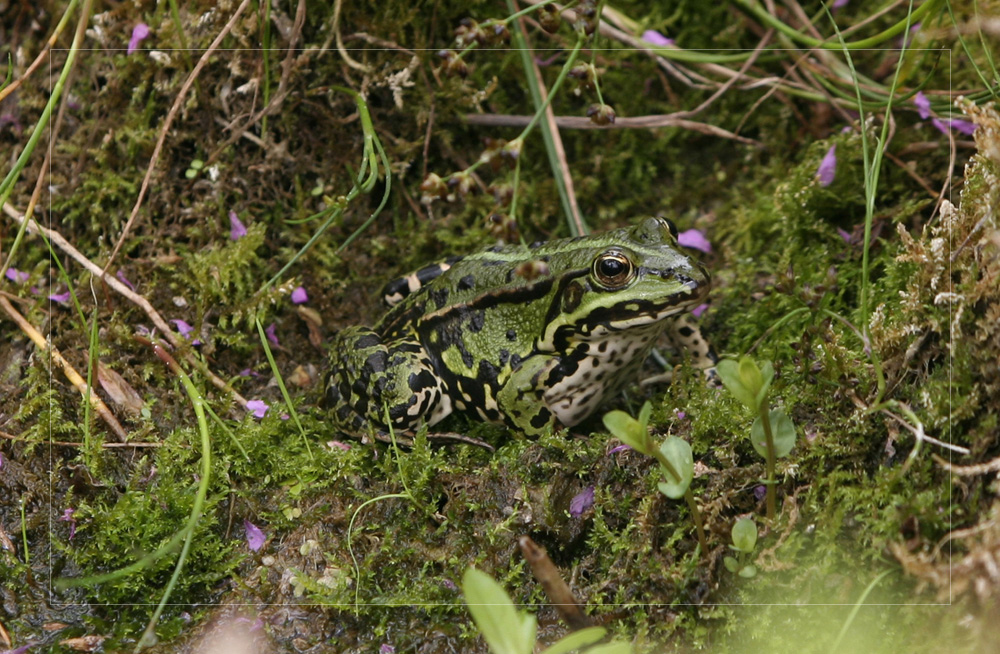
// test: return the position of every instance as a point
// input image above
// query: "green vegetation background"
(856, 504)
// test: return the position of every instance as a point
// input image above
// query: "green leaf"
(744, 535)
(627, 429)
(505, 629)
(767, 374)
(678, 453)
(731, 564)
(748, 571)
(729, 373)
(644, 413)
(576, 640)
(782, 430)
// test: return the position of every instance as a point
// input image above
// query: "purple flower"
(619, 448)
(299, 295)
(963, 126)
(339, 445)
(694, 238)
(16, 276)
(940, 125)
(839, 4)
(139, 32)
(759, 492)
(60, 297)
(681, 415)
(272, 334)
(654, 37)
(20, 650)
(67, 516)
(698, 310)
(923, 105)
(386, 648)
(183, 327)
(255, 537)
(844, 234)
(237, 229)
(828, 167)
(259, 408)
(582, 502)
(121, 277)
(449, 584)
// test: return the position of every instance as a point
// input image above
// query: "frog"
(535, 337)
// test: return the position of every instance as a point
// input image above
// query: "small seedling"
(772, 433)
(194, 168)
(509, 631)
(744, 536)
(673, 455)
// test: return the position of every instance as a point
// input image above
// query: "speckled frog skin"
(533, 337)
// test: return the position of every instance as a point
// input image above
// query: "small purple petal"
(759, 492)
(698, 310)
(839, 4)
(259, 408)
(923, 105)
(20, 650)
(681, 415)
(694, 238)
(285, 416)
(255, 537)
(121, 277)
(16, 276)
(828, 167)
(963, 126)
(67, 516)
(582, 503)
(339, 445)
(449, 584)
(299, 295)
(386, 648)
(940, 125)
(654, 37)
(619, 448)
(139, 32)
(237, 229)
(272, 334)
(183, 327)
(844, 234)
(60, 297)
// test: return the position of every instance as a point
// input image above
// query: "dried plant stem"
(636, 122)
(166, 331)
(71, 374)
(165, 128)
(43, 54)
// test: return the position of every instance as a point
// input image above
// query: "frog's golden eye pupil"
(613, 269)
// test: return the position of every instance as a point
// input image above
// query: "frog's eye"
(669, 224)
(613, 269)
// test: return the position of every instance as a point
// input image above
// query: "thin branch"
(71, 374)
(638, 122)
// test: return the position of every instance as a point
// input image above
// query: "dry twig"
(71, 374)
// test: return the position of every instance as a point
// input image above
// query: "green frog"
(532, 336)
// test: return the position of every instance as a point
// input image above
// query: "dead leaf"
(119, 391)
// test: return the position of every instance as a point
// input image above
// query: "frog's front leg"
(369, 376)
(685, 334)
(522, 399)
